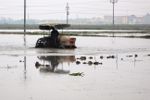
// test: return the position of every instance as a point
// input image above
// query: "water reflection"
(25, 68)
(25, 63)
(51, 63)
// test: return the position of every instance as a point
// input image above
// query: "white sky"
(55, 9)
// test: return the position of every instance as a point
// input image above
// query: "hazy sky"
(55, 9)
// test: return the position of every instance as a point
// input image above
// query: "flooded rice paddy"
(100, 68)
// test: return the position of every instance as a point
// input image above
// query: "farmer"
(54, 37)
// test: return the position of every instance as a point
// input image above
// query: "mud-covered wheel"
(40, 43)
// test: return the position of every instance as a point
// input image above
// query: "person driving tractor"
(54, 37)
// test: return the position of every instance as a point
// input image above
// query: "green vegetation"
(143, 31)
(99, 27)
(17, 26)
(77, 74)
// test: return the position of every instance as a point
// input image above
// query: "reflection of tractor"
(63, 41)
(51, 63)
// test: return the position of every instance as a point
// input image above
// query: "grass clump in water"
(77, 74)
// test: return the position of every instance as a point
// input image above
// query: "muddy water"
(112, 69)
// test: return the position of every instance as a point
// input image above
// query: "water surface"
(122, 72)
